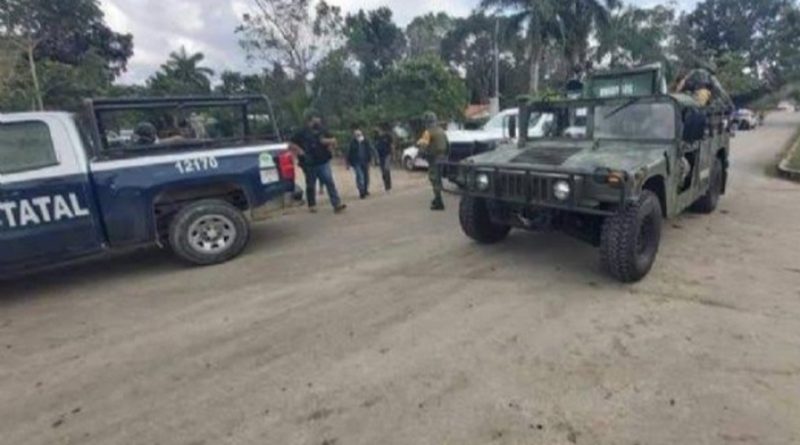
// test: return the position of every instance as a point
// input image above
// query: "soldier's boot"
(437, 204)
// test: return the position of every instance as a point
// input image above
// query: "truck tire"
(708, 203)
(208, 232)
(473, 213)
(630, 239)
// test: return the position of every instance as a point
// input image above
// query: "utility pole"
(494, 103)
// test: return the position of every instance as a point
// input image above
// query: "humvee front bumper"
(529, 186)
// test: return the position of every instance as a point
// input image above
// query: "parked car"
(466, 143)
(786, 106)
(71, 187)
(745, 119)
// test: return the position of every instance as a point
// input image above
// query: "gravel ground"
(385, 325)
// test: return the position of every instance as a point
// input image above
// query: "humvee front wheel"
(476, 221)
(630, 239)
(208, 232)
(708, 203)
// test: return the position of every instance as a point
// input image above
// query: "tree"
(375, 41)
(182, 74)
(338, 92)
(738, 26)
(578, 19)
(425, 34)
(468, 48)
(783, 48)
(636, 36)
(419, 85)
(539, 20)
(64, 31)
(284, 32)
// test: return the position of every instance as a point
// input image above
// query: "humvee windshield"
(605, 120)
(635, 121)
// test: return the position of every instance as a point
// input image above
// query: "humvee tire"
(630, 239)
(473, 213)
(208, 232)
(709, 202)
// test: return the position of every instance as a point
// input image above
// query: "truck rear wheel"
(630, 239)
(709, 202)
(476, 222)
(208, 232)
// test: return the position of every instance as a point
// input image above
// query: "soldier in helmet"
(145, 133)
(434, 146)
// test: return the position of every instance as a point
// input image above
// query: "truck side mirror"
(512, 127)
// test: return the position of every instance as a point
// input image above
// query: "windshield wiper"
(622, 107)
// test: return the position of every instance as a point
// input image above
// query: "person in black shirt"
(359, 157)
(384, 145)
(314, 148)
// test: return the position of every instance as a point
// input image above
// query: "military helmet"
(145, 133)
(429, 118)
(699, 78)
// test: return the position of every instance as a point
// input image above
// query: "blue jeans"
(362, 178)
(324, 175)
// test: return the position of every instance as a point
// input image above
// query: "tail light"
(286, 165)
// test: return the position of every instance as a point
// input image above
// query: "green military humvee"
(607, 166)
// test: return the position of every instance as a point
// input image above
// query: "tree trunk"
(535, 52)
(37, 91)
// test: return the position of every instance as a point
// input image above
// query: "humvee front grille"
(518, 186)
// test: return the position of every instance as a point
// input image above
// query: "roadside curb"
(783, 167)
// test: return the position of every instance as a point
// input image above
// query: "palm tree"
(540, 21)
(184, 68)
(580, 18)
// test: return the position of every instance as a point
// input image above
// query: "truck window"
(635, 121)
(182, 124)
(25, 146)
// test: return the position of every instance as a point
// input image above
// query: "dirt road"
(387, 326)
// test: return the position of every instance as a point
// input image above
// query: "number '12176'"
(185, 166)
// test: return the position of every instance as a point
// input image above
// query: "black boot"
(437, 205)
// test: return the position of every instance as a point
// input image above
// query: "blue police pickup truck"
(185, 173)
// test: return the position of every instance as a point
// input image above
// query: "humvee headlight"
(562, 190)
(482, 182)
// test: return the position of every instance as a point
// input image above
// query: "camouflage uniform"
(434, 145)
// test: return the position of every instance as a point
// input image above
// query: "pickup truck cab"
(68, 190)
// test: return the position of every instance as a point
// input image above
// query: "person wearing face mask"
(314, 146)
(359, 157)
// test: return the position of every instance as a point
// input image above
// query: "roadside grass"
(790, 157)
(794, 155)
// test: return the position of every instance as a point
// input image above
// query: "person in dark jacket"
(359, 157)
(384, 145)
(314, 146)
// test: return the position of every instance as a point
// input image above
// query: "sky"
(207, 26)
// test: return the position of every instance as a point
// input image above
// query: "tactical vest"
(439, 144)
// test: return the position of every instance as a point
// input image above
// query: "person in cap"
(313, 146)
(359, 156)
(434, 146)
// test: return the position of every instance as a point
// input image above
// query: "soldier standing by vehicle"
(314, 148)
(434, 145)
